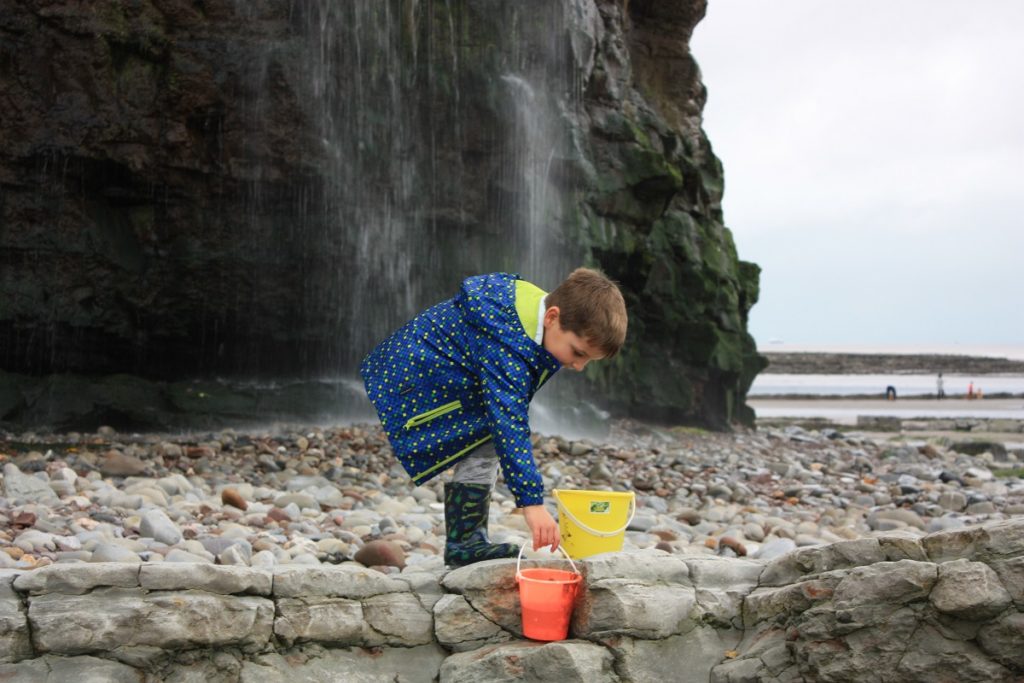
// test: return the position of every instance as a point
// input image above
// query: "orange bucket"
(547, 598)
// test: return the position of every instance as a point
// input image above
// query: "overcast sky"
(874, 165)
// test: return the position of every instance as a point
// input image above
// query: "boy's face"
(568, 348)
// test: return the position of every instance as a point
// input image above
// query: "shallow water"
(845, 411)
(905, 385)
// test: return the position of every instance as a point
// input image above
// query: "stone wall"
(948, 606)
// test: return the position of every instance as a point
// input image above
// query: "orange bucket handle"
(519, 561)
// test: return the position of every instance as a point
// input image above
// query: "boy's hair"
(592, 307)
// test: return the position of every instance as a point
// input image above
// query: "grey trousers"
(479, 467)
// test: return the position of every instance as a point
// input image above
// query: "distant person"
(940, 392)
(970, 390)
(890, 393)
(453, 386)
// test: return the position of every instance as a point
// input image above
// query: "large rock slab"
(351, 665)
(491, 589)
(84, 669)
(720, 585)
(1011, 575)
(15, 642)
(969, 590)
(802, 562)
(78, 578)
(685, 658)
(928, 656)
(111, 618)
(566, 661)
(459, 627)
(397, 619)
(1003, 640)
(778, 604)
(225, 580)
(955, 544)
(646, 567)
(886, 583)
(328, 620)
(622, 607)
(348, 580)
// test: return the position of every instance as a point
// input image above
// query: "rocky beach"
(302, 553)
(330, 495)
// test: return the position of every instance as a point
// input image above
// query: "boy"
(453, 386)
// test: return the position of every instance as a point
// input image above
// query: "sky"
(874, 165)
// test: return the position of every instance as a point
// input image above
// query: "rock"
(1002, 640)
(118, 464)
(906, 517)
(620, 607)
(383, 553)
(107, 552)
(232, 497)
(969, 590)
(15, 639)
(981, 508)
(205, 577)
(233, 556)
(408, 665)
(335, 620)
(110, 618)
(398, 620)
(81, 669)
(349, 580)
(77, 579)
(953, 500)
(460, 628)
(656, 660)
(569, 661)
(774, 548)
(301, 500)
(158, 526)
(19, 486)
(733, 544)
(178, 555)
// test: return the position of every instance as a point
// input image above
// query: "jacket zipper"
(542, 376)
(447, 460)
(432, 414)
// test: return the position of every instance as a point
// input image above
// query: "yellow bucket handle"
(602, 534)
(519, 561)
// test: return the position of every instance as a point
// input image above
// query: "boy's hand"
(544, 527)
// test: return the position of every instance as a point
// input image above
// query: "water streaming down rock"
(395, 206)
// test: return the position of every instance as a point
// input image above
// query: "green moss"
(696, 431)
(1010, 472)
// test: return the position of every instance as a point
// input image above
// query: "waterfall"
(434, 128)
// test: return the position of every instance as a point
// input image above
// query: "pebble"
(300, 496)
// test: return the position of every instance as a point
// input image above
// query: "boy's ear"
(551, 316)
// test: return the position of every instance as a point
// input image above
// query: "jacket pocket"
(433, 414)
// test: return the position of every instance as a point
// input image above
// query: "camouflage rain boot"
(465, 518)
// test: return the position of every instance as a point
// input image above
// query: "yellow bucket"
(593, 522)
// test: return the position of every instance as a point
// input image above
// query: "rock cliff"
(199, 188)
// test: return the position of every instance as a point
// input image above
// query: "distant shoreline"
(823, 363)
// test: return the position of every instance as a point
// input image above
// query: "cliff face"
(229, 188)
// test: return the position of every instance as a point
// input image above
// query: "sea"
(766, 393)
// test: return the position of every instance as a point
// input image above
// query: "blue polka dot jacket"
(457, 375)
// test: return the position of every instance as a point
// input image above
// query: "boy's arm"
(506, 384)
